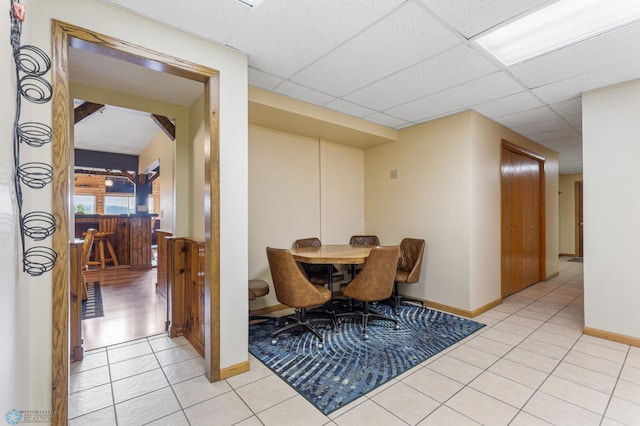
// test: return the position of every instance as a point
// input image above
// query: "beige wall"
(33, 294)
(300, 187)
(567, 208)
(448, 192)
(611, 209)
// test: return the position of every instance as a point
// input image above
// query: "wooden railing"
(185, 288)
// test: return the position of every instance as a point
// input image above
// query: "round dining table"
(342, 254)
(330, 254)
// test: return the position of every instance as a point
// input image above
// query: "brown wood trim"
(63, 35)
(234, 370)
(614, 337)
(60, 240)
(212, 229)
(463, 312)
(576, 215)
(270, 309)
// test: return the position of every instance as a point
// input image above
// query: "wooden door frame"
(542, 218)
(64, 35)
(579, 201)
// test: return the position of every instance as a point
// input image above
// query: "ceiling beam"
(166, 125)
(84, 110)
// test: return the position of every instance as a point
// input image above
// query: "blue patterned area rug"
(349, 366)
(92, 307)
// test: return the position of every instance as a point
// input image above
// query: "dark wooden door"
(522, 239)
(579, 221)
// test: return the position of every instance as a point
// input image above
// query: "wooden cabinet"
(130, 236)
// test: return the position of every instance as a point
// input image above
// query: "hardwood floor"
(132, 307)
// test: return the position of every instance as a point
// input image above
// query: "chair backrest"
(375, 280)
(364, 240)
(411, 253)
(87, 245)
(307, 242)
(291, 286)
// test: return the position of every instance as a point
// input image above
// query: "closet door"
(522, 239)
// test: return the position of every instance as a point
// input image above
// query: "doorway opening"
(64, 36)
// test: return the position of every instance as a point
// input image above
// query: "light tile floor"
(531, 365)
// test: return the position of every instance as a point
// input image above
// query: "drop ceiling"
(402, 62)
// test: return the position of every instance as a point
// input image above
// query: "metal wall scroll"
(31, 66)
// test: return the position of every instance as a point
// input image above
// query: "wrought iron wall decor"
(31, 66)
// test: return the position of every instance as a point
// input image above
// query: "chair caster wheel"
(274, 341)
(397, 327)
(365, 336)
(320, 346)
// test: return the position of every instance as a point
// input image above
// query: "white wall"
(429, 200)
(342, 192)
(611, 135)
(300, 187)
(115, 22)
(448, 193)
(15, 352)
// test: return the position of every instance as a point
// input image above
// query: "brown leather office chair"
(293, 289)
(317, 274)
(87, 245)
(258, 288)
(374, 283)
(408, 271)
(362, 240)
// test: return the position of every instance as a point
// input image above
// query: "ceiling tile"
(387, 120)
(575, 121)
(569, 107)
(561, 134)
(510, 104)
(527, 117)
(262, 79)
(471, 17)
(612, 48)
(302, 93)
(457, 98)
(542, 126)
(402, 39)
(283, 36)
(574, 87)
(349, 108)
(442, 71)
(213, 20)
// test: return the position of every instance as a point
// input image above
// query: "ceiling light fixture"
(108, 182)
(557, 25)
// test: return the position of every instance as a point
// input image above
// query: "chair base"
(368, 316)
(396, 300)
(301, 323)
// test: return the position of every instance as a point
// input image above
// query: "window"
(84, 204)
(119, 204)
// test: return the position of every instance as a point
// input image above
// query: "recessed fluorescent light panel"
(562, 23)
